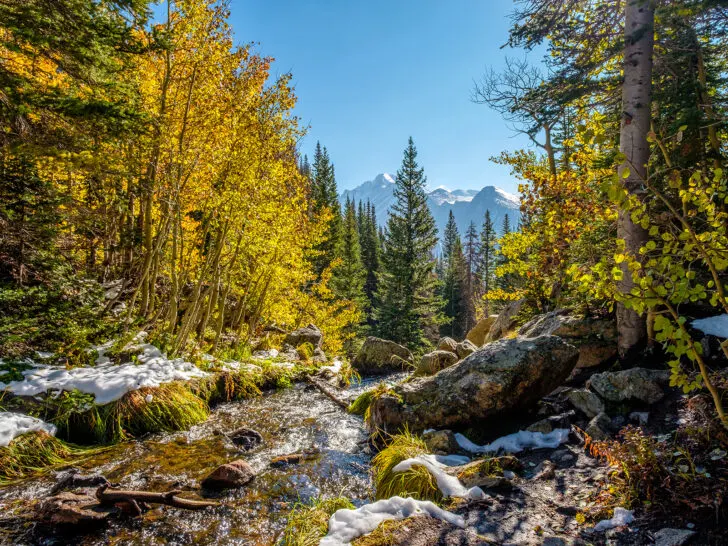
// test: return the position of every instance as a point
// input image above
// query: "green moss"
(307, 524)
(416, 482)
(31, 453)
(361, 404)
(305, 351)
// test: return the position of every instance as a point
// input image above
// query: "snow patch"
(449, 485)
(13, 425)
(389, 178)
(621, 517)
(517, 442)
(346, 524)
(713, 326)
(508, 196)
(107, 382)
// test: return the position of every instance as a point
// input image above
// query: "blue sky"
(370, 74)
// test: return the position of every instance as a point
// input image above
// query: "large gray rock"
(230, 475)
(476, 335)
(596, 339)
(638, 384)
(587, 402)
(497, 379)
(673, 537)
(309, 334)
(433, 362)
(381, 356)
(505, 322)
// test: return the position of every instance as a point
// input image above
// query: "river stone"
(381, 356)
(230, 475)
(673, 537)
(595, 338)
(246, 438)
(586, 401)
(494, 381)
(69, 508)
(309, 334)
(447, 344)
(73, 479)
(638, 384)
(440, 442)
(505, 322)
(465, 348)
(433, 362)
(476, 335)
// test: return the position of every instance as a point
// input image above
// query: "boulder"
(477, 333)
(586, 402)
(381, 356)
(246, 439)
(69, 508)
(599, 427)
(309, 334)
(496, 380)
(465, 348)
(673, 537)
(447, 344)
(595, 338)
(433, 362)
(638, 384)
(553, 422)
(230, 475)
(319, 356)
(440, 442)
(505, 322)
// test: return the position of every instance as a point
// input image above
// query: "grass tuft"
(31, 453)
(307, 524)
(416, 482)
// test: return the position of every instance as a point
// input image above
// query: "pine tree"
(505, 281)
(350, 275)
(457, 300)
(371, 250)
(409, 306)
(472, 250)
(487, 261)
(324, 197)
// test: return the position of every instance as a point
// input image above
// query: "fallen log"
(326, 390)
(133, 498)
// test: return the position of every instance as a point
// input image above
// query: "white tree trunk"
(636, 98)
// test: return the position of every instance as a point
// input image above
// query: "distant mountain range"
(466, 205)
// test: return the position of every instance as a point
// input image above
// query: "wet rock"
(638, 384)
(587, 402)
(595, 338)
(73, 479)
(309, 334)
(246, 438)
(673, 537)
(294, 458)
(599, 427)
(433, 362)
(505, 322)
(381, 356)
(494, 381)
(447, 344)
(229, 476)
(477, 333)
(465, 348)
(440, 442)
(68, 508)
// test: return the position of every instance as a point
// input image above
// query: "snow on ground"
(517, 442)
(713, 326)
(346, 524)
(13, 425)
(449, 485)
(621, 517)
(107, 382)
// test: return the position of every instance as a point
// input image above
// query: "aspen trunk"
(636, 98)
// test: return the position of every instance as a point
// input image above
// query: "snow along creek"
(290, 421)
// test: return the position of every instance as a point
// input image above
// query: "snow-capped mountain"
(467, 205)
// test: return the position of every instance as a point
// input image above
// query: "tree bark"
(636, 99)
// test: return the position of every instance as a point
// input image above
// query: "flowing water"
(289, 420)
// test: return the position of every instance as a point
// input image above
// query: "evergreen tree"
(409, 307)
(487, 261)
(471, 261)
(457, 300)
(324, 197)
(350, 274)
(371, 250)
(505, 281)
